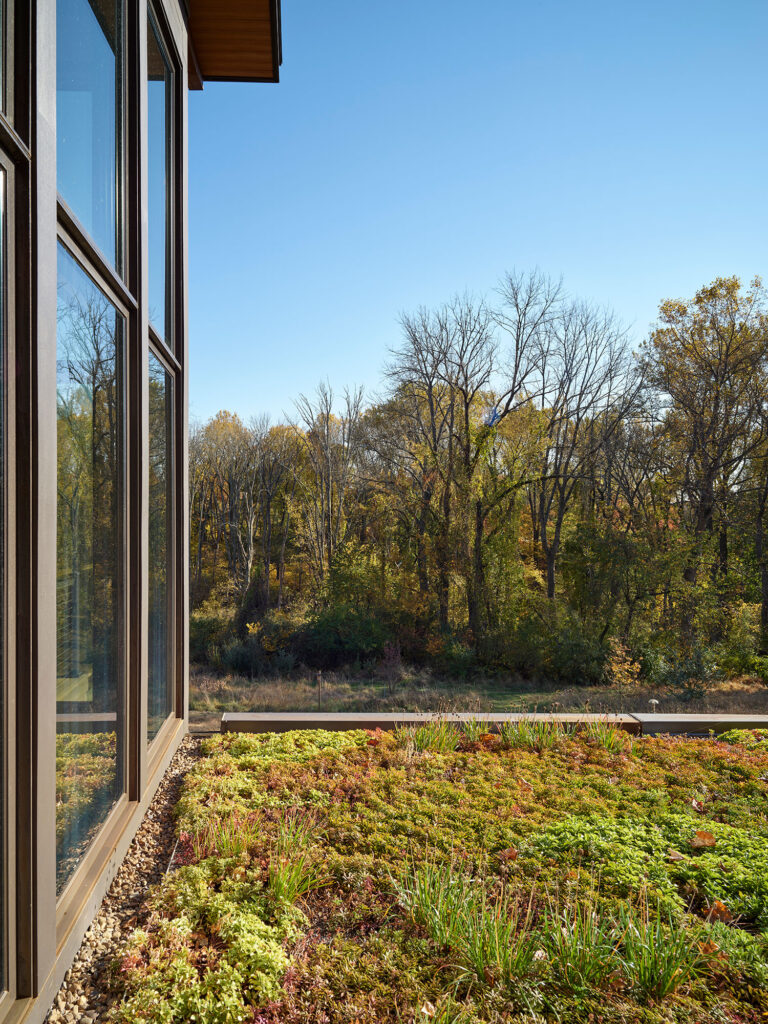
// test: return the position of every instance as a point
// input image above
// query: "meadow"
(409, 689)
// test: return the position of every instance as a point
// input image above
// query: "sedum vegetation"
(446, 874)
(527, 495)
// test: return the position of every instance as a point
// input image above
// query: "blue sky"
(417, 148)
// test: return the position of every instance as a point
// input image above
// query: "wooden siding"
(235, 40)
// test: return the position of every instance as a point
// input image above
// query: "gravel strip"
(84, 996)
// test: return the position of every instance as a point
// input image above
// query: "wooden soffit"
(234, 41)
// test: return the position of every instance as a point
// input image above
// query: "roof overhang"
(234, 41)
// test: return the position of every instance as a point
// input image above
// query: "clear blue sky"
(417, 148)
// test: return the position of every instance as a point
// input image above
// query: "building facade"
(93, 365)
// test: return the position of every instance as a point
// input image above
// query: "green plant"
(661, 953)
(747, 954)
(434, 895)
(607, 735)
(582, 945)
(495, 944)
(437, 734)
(447, 1011)
(490, 938)
(290, 879)
(536, 734)
(474, 728)
(230, 836)
(292, 872)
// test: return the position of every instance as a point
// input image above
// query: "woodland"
(532, 491)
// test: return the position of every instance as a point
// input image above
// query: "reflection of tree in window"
(89, 416)
(160, 524)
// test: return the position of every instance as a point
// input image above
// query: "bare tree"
(585, 388)
(329, 443)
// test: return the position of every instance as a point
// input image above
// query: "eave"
(234, 41)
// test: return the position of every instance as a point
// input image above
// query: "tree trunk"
(551, 561)
(723, 550)
(477, 582)
(421, 547)
(760, 557)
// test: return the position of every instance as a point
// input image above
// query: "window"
(89, 565)
(89, 108)
(161, 632)
(159, 186)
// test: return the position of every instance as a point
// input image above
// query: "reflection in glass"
(89, 703)
(89, 73)
(159, 93)
(159, 701)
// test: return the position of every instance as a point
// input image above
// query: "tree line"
(525, 491)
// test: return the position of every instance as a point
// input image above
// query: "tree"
(330, 444)
(585, 388)
(707, 360)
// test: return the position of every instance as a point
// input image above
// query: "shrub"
(735, 654)
(551, 641)
(209, 632)
(341, 635)
(244, 657)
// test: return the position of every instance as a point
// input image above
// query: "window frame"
(15, 162)
(119, 284)
(157, 24)
(156, 743)
(168, 351)
(91, 855)
(43, 932)
(123, 189)
(8, 596)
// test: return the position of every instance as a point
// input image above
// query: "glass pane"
(89, 685)
(160, 703)
(159, 93)
(89, 90)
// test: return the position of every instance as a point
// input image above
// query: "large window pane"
(160, 700)
(89, 691)
(159, 94)
(89, 90)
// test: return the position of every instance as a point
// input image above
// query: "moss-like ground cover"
(438, 875)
